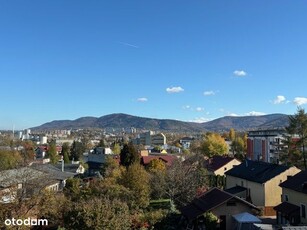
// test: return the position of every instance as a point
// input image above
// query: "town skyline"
(168, 60)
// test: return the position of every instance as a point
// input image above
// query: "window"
(303, 210)
(286, 198)
(242, 183)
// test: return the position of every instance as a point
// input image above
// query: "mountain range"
(119, 121)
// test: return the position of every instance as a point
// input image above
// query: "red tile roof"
(168, 159)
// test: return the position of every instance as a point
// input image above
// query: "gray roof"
(256, 171)
(53, 172)
(18, 176)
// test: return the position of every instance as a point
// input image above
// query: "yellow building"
(218, 165)
(258, 182)
(293, 209)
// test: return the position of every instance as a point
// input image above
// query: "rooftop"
(256, 171)
(297, 182)
(208, 201)
(217, 162)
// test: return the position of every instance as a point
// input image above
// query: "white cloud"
(279, 100)
(176, 89)
(129, 44)
(239, 73)
(199, 109)
(233, 115)
(200, 120)
(186, 107)
(142, 99)
(209, 93)
(300, 100)
(254, 113)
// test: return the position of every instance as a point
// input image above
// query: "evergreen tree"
(298, 126)
(129, 155)
(65, 152)
(77, 150)
(52, 153)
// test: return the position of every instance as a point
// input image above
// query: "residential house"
(218, 165)
(293, 209)
(186, 142)
(13, 181)
(28, 181)
(258, 182)
(220, 203)
(56, 175)
(166, 158)
(150, 138)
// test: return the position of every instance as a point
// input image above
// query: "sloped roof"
(168, 159)
(246, 217)
(18, 176)
(298, 182)
(287, 208)
(208, 201)
(256, 171)
(53, 172)
(217, 162)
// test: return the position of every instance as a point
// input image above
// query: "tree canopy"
(213, 144)
(129, 155)
(298, 126)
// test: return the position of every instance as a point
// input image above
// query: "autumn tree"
(28, 152)
(213, 144)
(136, 179)
(9, 159)
(98, 213)
(156, 165)
(116, 148)
(232, 134)
(129, 155)
(184, 180)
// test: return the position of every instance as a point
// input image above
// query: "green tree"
(136, 179)
(298, 126)
(213, 144)
(101, 143)
(232, 134)
(65, 152)
(98, 213)
(116, 148)
(129, 155)
(9, 159)
(52, 153)
(76, 151)
(238, 147)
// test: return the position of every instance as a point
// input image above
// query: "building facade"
(265, 145)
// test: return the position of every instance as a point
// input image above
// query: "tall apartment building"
(265, 145)
(150, 138)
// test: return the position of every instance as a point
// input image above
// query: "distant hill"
(245, 123)
(120, 120)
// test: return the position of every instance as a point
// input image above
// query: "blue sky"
(185, 60)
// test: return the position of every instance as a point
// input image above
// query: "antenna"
(13, 131)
